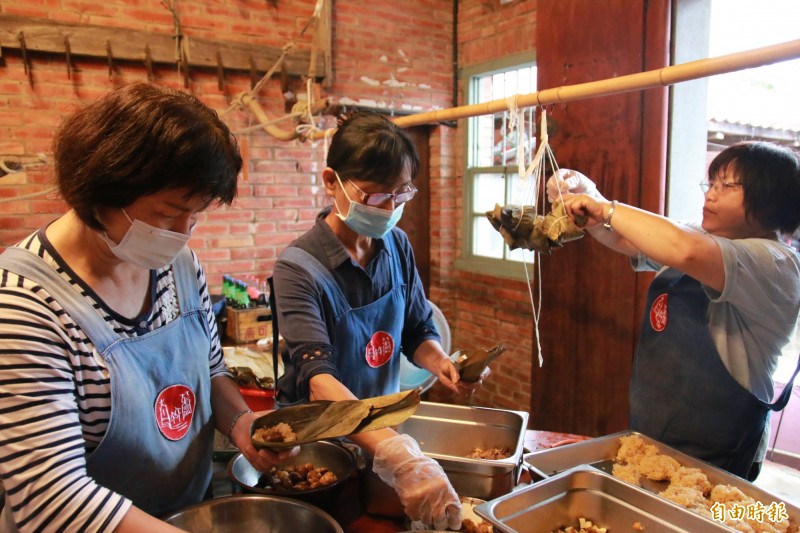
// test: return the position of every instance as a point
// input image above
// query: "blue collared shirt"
(305, 319)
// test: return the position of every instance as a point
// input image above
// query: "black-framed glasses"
(718, 185)
(376, 199)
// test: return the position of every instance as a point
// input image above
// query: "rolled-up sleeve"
(302, 319)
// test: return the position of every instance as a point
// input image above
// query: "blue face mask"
(367, 220)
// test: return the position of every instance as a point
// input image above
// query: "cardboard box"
(248, 325)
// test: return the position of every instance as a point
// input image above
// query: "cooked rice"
(658, 467)
(281, 432)
(689, 487)
(629, 473)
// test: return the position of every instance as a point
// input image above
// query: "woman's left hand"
(448, 376)
(585, 205)
(468, 388)
(447, 373)
(262, 459)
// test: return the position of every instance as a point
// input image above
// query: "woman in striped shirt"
(110, 363)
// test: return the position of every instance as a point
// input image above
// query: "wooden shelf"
(120, 44)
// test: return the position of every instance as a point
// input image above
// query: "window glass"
(489, 190)
(488, 242)
(492, 170)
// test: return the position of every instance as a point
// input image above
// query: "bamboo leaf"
(383, 414)
(470, 365)
(339, 419)
(328, 419)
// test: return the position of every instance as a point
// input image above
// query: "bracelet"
(607, 220)
(236, 418)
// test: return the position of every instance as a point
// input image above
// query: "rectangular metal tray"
(600, 452)
(585, 492)
(448, 433)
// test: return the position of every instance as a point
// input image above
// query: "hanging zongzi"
(521, 227)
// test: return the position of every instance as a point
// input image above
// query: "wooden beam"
(44, 35)
(323, 39)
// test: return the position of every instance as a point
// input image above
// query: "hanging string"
(530, 193)
(287, 49)
(326, 138)
(305, 130)
(27, 196)
(537, 271)
(16, 164)
(302, 111)
(260, 126)
(310, 100)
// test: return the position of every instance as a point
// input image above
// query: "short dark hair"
(770, 177)
(140, 139)
(369, 147)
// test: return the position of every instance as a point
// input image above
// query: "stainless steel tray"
(585, 492)
(448, 433)
(600, 452)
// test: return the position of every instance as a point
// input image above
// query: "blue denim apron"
(157, 448)
(681, 393)
(366, 339)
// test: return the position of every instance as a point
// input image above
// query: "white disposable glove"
(420, 482)
(570, 181)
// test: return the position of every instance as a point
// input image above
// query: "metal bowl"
(253, 512)
(325, 453)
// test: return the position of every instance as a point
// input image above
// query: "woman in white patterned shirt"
(110, 362)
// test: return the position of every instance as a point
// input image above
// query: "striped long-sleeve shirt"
(55, 396)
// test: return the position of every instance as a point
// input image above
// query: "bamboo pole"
(662, 77)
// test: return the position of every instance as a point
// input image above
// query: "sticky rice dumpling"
(521, 227)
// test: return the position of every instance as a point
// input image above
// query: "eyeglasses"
(376, 199)
(719, 186)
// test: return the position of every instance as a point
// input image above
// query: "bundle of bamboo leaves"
(470, 365)
(326, 419)
(521, 227)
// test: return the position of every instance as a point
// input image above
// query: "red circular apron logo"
(174, 411)
(658, 313)
(379, 349)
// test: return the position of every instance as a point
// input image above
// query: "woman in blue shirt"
(348, 297)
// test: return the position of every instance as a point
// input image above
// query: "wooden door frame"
(417, 213)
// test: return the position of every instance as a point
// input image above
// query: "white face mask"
(147, 246)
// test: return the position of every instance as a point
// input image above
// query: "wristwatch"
(607, 220)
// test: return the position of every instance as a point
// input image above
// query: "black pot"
(329, 454)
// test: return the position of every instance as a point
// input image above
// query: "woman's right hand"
(262, 459)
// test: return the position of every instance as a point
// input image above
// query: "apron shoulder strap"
(186, 281)
(311, 264)
(783, 399)
(318, 273)
(393, 249)
(29, 265)
(275, 335)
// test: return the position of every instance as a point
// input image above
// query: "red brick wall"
(395, 54)
(392, 54)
